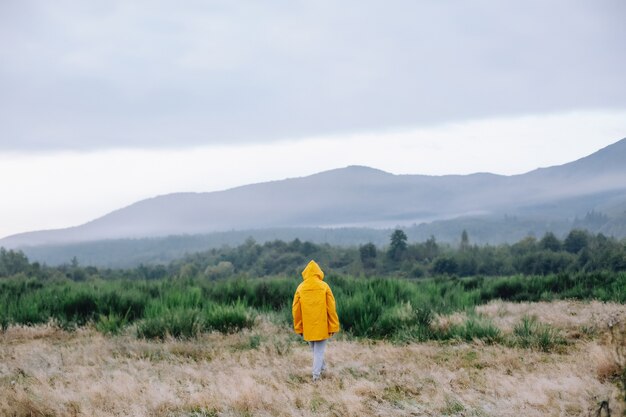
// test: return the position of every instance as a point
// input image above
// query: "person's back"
(314, 313)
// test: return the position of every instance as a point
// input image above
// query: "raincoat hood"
(312, 270)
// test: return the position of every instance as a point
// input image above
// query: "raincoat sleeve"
(333, 320)
(296, 310)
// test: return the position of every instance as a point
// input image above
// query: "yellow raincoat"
(314, 312)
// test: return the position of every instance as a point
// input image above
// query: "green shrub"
(529, 333)
(78, 306)
(4, 321)
(189, 297)
(273, 294)
(27, 310)
(153, 328)
(394, 319)
(262, 294)
(227, 318)
(419, 329)
(404, 322)
(524, 331)
(181, 324)
(112, 323)
(478, 329)
(129, 303)
(184, 323)
(359, 313)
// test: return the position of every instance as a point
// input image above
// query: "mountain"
(359, 196)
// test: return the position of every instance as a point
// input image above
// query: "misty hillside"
(126, 253)
(364, 197)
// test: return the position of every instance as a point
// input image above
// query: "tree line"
(578, 251)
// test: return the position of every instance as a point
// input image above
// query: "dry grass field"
(45, 371)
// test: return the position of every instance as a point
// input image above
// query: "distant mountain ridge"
(358, 196)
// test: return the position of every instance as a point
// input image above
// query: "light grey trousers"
(318, 349)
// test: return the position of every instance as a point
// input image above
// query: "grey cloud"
(85, 75)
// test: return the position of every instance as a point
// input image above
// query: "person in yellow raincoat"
(315, 314)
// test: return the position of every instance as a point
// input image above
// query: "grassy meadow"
(542, 345)
(264, 370)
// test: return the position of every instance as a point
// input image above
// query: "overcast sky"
(106, 102)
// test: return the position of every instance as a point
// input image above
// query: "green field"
(389, 308)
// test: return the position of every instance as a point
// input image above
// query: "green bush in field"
(604, 286)
(111, 323)
(474, 328)
(394, 319)
(27, 311)
(404, 319)
(78, 306)
(189, 297)
(4, 321)
(529, 333)
(262, 294)
(129, 303)
(414, 324)
(227, 318)
(274, 294)
(162, 321)
(184, 323)
(181, 323)
(153, 328)
(359, 313)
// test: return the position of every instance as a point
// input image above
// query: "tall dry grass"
(264, 371)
